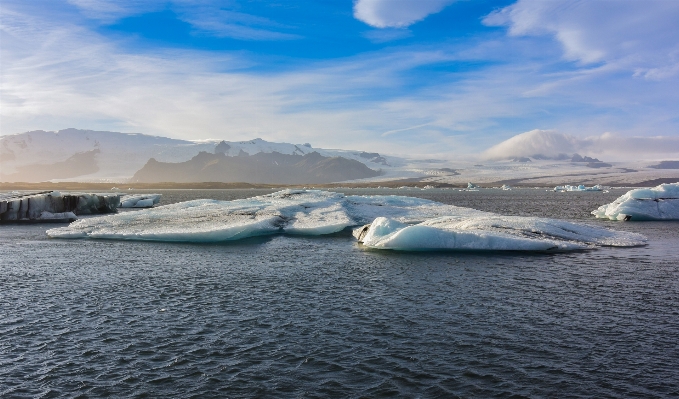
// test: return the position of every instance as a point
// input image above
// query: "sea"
(324, 317)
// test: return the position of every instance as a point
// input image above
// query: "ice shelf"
(54, 206)
(658, 203)
(396, 222)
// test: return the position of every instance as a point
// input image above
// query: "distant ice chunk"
(581, 187)
(139, 200)
(658, 203)
(491, 233)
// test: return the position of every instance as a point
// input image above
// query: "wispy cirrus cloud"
(215, 18)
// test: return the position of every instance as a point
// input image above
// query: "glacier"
(139, 200)
(658, 203)
(391, 222)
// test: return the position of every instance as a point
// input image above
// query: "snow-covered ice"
(492, 232)
(658, 203)
(396, 222)
(139, 200)
(310, 212)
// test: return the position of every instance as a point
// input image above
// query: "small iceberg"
(581, 187)
(139, 200)
(389, 222)
(472, 186)
(490, 233)
(658, 203)
(506, 187)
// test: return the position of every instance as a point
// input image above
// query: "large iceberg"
(658, 203)
(396, 222)
(310, 212)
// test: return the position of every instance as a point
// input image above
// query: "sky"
(438, 78)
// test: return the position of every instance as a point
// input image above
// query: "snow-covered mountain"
(88, 155)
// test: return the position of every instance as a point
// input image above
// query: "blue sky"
(426, 77)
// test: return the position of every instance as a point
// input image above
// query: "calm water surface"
(324, 317)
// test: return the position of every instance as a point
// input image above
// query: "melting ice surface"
(397, 222)
(658, 203)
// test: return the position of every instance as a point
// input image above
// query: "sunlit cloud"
(396, 14)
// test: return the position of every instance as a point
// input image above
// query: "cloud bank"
(552, 144)
(396, 14)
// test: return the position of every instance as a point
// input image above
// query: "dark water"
(324, 317)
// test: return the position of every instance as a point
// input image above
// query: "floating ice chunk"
(65, 216)
(658, 203)
(30, 206)
(506, 233)
(397, 223)
(139, 200)
(309, 212)
(581, 187)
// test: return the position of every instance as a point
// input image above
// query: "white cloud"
(551, 144)
(396, 13)
(634, 35)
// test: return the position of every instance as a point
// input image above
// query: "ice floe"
(139, 200)
(395, 222)
(658, 203)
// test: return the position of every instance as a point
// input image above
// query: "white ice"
(309, 212)
(491, 233)
(581, 187)
(397, 222)
(658, 203)
(139, 200)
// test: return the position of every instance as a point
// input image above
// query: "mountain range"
(88, 155)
